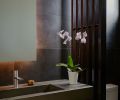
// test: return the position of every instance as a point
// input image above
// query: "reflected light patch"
(112, 17)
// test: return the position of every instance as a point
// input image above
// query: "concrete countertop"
(64, 84)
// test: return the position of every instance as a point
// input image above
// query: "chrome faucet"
(16, 79)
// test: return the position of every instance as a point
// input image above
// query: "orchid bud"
(78, 36)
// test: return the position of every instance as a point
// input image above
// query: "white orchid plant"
(67, 38)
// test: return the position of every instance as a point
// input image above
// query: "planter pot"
(73, 77)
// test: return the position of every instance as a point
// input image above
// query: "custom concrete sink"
(28, 90)
(48, 90)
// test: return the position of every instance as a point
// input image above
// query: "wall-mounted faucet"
(16, 78)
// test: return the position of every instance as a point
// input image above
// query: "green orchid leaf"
(77, 65)
(70, 61)
(61, 64)
(80, 68)
(70, 66)
(85, 69)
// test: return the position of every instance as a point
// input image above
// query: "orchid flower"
(85, 34)
(81, 36)
(83, 40)
(69, 38)
(60, 34)
(65, 34)
(78, 36)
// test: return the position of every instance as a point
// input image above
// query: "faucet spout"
(16, 79)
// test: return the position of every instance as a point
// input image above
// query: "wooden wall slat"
(89, 72)
(72, 45)
(79, 51)
(91, 24)
(77, 48)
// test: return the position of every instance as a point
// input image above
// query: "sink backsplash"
(43, 69)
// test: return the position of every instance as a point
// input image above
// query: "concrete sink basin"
(28, 90)
(48, 90)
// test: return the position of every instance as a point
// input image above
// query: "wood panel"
(85, 54)
(91, 54)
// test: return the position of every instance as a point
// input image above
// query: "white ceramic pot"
(73, 77)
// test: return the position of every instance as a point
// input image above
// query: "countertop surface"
(64, 84)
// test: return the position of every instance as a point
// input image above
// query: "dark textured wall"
(48, 46)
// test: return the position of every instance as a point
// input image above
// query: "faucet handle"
(18, 78)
